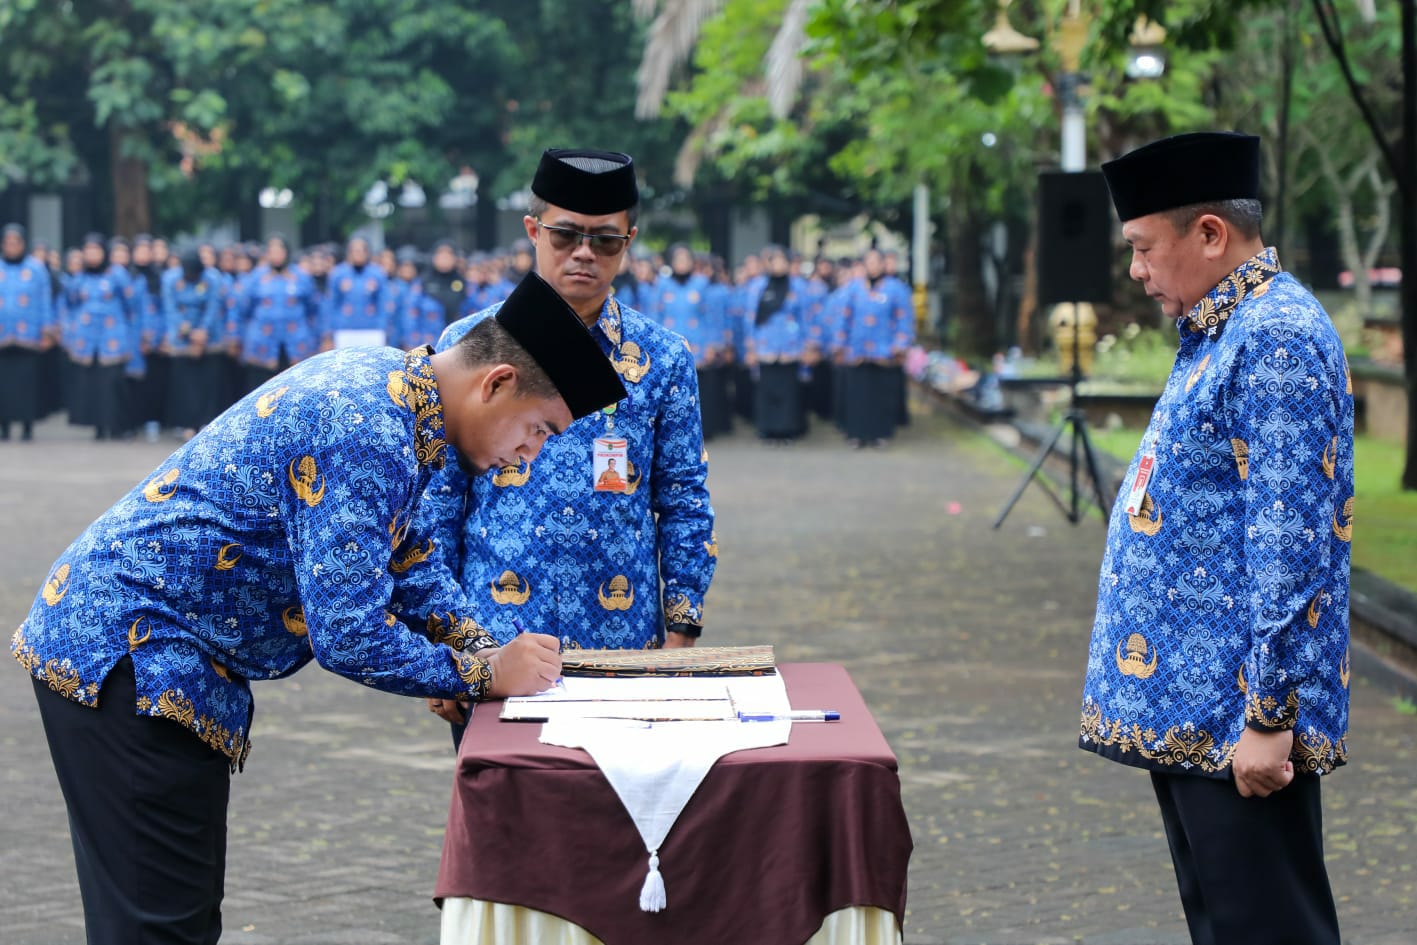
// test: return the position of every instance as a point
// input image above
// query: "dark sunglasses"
(602, 244)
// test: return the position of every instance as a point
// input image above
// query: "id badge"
(1137, 492)
(611, 463)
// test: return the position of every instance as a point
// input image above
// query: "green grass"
(1385, 519)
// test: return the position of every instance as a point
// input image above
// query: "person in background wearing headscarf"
(684, 308)
(444, 281)
(148, 395)
(875, 329)
(99, 327)
(28, 328)
(192, 318)
(354, 300)
(778, 304)
(277, 317)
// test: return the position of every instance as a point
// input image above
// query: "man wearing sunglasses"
(624, 567)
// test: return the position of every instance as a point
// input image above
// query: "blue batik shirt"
(272, 538)
(188, 307)
(538, 544)
(1223, 597)
(98, 317)
(684, 307)
(26, 303)
(277, 313)
(782, 336)
(354, 299)
(874, 322)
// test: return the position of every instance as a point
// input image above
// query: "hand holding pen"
(528, 664)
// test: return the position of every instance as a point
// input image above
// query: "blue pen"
(520, 630)
(796, 715)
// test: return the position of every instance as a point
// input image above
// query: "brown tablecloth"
(773, 841)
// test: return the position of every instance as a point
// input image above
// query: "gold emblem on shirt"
(1344, 531)
(162, 488)
(632, 363)
(57, 586)
(632, 477)
(303, 482)
(294, 620)
(711, 546)
(415, 555)
(1345, 669)
(1144, 521)
(227, 556)
(1196, 373)
(1315, 610)
(266, 403)
(398, 388)
(1329, 459)
(514, 476)
(1241, 449)
(134, 639)
(1135, 662)
(622, 595)
(221, 670)
(510, 589)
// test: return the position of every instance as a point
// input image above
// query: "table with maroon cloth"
(773, 840)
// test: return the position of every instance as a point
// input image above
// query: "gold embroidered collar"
(1250, 278)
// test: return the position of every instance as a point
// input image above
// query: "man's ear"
(529, 224)
(1214, 233)
(499, 379)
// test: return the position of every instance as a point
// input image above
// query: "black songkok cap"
(590, 182)
(556, 338)
(1183, 170)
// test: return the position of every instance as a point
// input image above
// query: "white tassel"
(652, 896)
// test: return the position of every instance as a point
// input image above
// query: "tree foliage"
(325, 97)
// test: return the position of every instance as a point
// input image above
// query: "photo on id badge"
(611, 464)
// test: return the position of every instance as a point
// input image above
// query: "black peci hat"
(1184, 170)
(556, 338)
(590, 182)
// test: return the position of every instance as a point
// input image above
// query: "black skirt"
(21, 391)
(871, 403)
(715, 407)
(148, 394)
(779, 414)
(98, 397)
(192, 390)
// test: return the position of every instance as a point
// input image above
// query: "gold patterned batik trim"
(59, 675)
(174, 705)
(681, 610)
(1181, 747)
(476, 672)
(1316, 753)
(1251, 278)
(1267, 713)
(416, 388)
(460, 633)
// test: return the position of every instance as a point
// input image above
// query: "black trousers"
(147, 816)
(1250, 870)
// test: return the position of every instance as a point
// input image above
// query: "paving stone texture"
(968, 644)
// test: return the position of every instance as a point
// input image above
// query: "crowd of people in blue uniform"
(133, 338)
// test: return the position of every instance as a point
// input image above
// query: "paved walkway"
(968, 644)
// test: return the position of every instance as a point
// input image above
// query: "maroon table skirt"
(773, 841)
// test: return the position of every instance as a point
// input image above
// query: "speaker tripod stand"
(1076, 420)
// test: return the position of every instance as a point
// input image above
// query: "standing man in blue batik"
(627, 567)
(1219, 656)
(28, 328)
(272, 539)
(354, 298)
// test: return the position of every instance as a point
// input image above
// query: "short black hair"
(1243, 215)
(489, 343)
